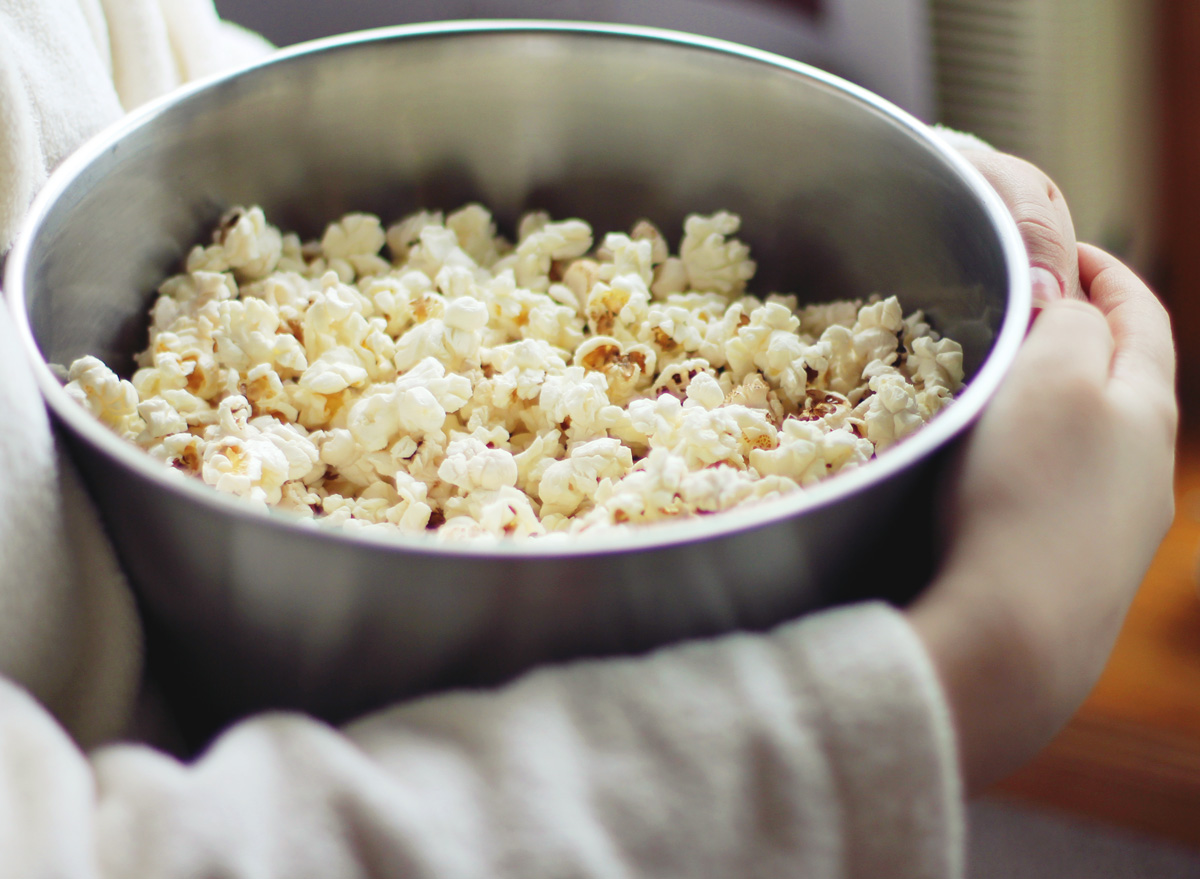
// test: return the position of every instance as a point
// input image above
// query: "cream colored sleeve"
(68, 630)
(70, 67)
(157, 45)
(820, 750)
(961, 140)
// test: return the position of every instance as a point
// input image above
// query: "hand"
(1063, 495)
(1043, 219)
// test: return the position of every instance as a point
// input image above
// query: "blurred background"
(1104, 95)
(1068, 84)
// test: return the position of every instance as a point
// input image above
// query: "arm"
(823, 747)
(68, 628)
(70, 67)
(743, 756)
(1061, 500)
(734, 757)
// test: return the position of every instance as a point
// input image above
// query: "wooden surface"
(1131, 756)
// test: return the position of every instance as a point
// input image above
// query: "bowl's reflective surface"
(840, 196)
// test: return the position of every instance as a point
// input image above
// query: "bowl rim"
(924, 443)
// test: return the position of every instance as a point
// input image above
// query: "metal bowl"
(841, 194)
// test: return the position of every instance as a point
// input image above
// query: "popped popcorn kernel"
(249, 244)
(99, 390)
(714, 261)
(353, 235)
(471, 465)
(430, 376)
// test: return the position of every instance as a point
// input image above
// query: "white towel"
(68, 631)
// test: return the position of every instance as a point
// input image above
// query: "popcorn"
(627, 256)
(252, 468)
(627, 369)
(471, 465)
(676, 378)
(411, 512)
(619, 308)
(264, 388)
(577, 402)
(294, 444)
(161, 419)
(541, 244)
(807, 452)
(670, 277)
(436, 251)
(712, 260)
(466, 314)
(244, 242)
(376, 420)
(111, 399)
(567, 483)
(501, 512)
(891, 412)
(518, 313)
(403, 235)
(352, 236)
(476, 234)
(183, 451)
(333, 371)
(936, 363)
(431, 376)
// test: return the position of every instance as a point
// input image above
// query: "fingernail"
(1046, 287)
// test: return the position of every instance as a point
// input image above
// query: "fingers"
(1140, 325)
(1069, 344)
(1043, 219)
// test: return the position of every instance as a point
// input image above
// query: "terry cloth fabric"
(823, 749)
(70, 67)
(68, 630)
(962, 140)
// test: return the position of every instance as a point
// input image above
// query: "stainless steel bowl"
(841, 195)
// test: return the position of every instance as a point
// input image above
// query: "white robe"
(823, 749)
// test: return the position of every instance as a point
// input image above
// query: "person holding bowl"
(843, 744)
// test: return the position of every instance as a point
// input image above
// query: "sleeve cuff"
(889, 738)
(961, 140)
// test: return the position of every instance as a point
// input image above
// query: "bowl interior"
(839, 197)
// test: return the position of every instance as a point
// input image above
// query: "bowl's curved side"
(241, 620)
